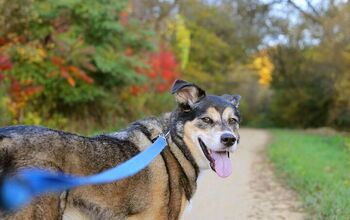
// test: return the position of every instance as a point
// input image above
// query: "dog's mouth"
(219, 160)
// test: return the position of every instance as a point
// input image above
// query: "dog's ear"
(234, 99)
(186, 94)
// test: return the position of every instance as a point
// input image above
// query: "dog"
(203, 131)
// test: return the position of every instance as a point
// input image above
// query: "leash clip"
(164, 135)
(167, 134)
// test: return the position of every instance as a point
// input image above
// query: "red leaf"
(15, 87)
(161, 88)
(3, 41)
(123, 18)
(152, 75)
(5, 63)
(163, 70)
(51, 74)
(22, 39)
(128, 52)
(135, 90)
(58, 61)
(65, 74)
(32, 90)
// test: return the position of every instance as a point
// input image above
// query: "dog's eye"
(232, 121)
(207, 120)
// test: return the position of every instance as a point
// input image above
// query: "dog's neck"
(185, 160)
(177, 144)
(190, 172)
(152, 128)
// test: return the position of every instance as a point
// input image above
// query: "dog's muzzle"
(219, 161)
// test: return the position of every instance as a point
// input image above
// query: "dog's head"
(208, 125)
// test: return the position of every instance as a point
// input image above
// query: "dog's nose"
(228, 139)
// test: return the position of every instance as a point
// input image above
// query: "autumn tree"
(67, 56)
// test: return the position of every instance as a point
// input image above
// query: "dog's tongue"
(222, 163)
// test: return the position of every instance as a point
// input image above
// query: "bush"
(61, 58)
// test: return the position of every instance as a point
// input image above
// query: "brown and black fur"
(160, 191)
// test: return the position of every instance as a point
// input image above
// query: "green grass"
(317, 168)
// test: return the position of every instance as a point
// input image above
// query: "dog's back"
(23, 146)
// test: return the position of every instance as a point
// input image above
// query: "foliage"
(60, 56)
(299, 92)
(317, 167)
(340, 115)
(264, 66)
(182, 38)
(68, 60)
(223, 47)
(204, 66)
(311, 78)
(162, 72)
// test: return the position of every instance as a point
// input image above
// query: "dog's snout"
(228, 139)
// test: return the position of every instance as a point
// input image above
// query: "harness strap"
(17, 191)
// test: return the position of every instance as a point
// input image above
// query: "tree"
(310, 82)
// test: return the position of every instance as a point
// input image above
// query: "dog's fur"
(160, 191)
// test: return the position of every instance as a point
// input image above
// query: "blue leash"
(19, 190)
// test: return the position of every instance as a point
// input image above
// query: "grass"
(317, 168)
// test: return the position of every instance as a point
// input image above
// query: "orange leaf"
(73, 69)
(58, 61)
(71, 81)
(80, 74)
(128, 52)
(53, 73)
(65, 74)
(32, 90)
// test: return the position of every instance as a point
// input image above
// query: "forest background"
(89, 66)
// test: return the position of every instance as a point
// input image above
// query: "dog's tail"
(6, 167)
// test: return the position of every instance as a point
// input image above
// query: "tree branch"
(164, 13)
(306, 14)
(312, 8)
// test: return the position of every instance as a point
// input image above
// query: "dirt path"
(251, 192)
